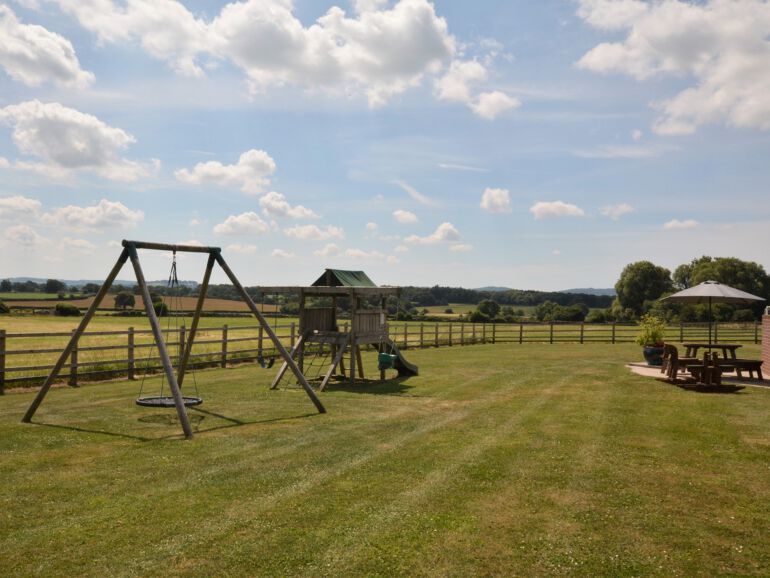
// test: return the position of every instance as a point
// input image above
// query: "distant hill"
(591, 291)
(81, 282)
(493, 289)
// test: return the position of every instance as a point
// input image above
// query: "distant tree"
(639, 282)
(4, 308)
(26, 287)
(66, 310)
(478, 316)
(488, 308)
(91, 288)
(448, 311)
(54, 286)
(124, 299)
(6, 286)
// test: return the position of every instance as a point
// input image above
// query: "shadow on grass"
(171, 419)
(396, 387)
(702, 388)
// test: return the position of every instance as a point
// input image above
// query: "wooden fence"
(26, 358)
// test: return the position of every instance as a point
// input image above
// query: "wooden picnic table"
(728, 349)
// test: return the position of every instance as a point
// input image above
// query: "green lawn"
(496, 460)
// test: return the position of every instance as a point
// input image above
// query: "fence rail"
(26, 358)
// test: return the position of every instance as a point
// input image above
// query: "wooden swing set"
(175, 381)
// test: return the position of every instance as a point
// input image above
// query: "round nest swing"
(167, 401)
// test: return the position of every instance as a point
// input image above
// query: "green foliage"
(161, 309)
(4, 308)
(124, 299)
(54, 286)
(6, 286)
(66, 310)
(478, 316)
(550, 311)
(488, 308)
(639, 282)
(448, 311)
(652, 330)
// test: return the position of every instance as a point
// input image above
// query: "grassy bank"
(497, 460)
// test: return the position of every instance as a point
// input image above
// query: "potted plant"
(652, 329)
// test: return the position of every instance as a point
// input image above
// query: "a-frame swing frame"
(174, 381)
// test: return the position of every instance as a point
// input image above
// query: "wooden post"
(422, 335)
(582, 330)
(271, 334)
(81, 328)
(436, 337)
(716, 332)
(180, 348)
(521, 333)
(450, 334)
(462, 333)
(406, 335)
(756, 338)
(293, 334)
(73, 381)
(259, 341)
(131, 357)
(223, 355)
(203, 289)
(483, 332)
(613, 332)
(681, 331)
(157, 332)
(494, 333)
(550, 333)
(2, 361)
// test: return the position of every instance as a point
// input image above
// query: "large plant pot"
(653, 355)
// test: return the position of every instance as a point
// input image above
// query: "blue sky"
(536, 145)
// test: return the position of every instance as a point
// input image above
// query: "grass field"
(496, 460)
(177, 303)
(11, 297)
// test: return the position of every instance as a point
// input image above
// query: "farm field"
(12, 297)
(178, 303)
(497, 460)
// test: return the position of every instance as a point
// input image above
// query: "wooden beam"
(333, 291)
(76, 336)
(284, 365)
(167, 247)
(196, 318)
(335, 363)
(161, 344)
(271, 334)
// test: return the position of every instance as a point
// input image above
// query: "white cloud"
(556, 252)
(17, 205)
(248, 223)
(489, 105)
(66, 139)
(636, 134)
(281, 254)
(241, 249)
(456, 167)
(80, 245)
(365, 255)
(106, 215)
(461, 248)
(313, 232)
(444, 233)
(194, 223)
(456, 83)
(614, 212)
(721, 45)
(32, 55)
(676, 224)
(24, 236)
(544, 210)
(621, 152)
(166, 30)
(405, 217)
(329, 250)
(380, 52)
(275, 205)
(372, 227)
(415, 194)
(401, 249)
(251, 173)
(496, 200)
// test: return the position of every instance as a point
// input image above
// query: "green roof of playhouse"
(342, 278)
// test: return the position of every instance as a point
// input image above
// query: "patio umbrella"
(712, 291)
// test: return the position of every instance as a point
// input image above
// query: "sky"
(534, 145)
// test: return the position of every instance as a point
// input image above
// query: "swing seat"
(167, 401)
(265, 363)
(386, 360)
